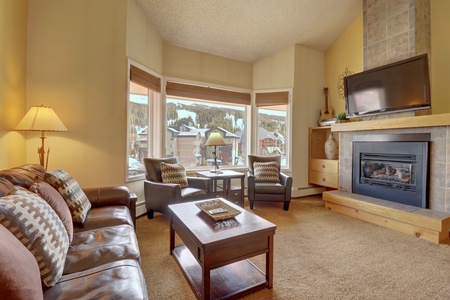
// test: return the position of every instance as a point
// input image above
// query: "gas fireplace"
(392, 167)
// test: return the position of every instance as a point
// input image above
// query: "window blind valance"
(271, 99)
(143, 78)
(207, 93)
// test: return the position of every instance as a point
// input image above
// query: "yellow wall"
(77, 64)
(202, 67)
(440, 56)
(346, 52)
(13, 45)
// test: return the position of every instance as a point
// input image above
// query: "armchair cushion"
(266, 171)
(191, 192)
(174, 173)
(153, 167)
(71, 191)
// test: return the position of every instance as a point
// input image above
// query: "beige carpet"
(319, 254)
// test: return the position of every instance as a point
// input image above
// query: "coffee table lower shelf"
(227, 282)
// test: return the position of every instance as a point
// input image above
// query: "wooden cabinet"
(322, 171)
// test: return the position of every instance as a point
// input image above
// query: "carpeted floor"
(319, 254)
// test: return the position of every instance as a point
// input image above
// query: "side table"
(232, 193)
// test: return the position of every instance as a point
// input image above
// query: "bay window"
(193, 112)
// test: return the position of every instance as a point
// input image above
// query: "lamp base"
(215, 171)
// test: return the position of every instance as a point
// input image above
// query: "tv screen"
(399, 86)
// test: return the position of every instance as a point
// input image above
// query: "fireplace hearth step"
(427, 224)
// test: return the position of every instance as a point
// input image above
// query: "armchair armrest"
(158, 195)
(287, 182)
(200, 183)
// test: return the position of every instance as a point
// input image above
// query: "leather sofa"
(102, 262)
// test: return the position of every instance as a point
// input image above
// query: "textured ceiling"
(248, 30)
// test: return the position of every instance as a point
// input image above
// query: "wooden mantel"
(395, 123)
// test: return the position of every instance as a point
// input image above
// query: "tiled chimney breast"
(395, 30)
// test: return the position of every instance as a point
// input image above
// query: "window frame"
(255, 117)
(247, 113)
(154, 106)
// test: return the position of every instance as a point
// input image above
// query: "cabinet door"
(325, 166)
(324, 179)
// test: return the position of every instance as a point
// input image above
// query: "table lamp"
(41, 118)
(215, 139)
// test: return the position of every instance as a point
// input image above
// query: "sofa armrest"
(112, 195)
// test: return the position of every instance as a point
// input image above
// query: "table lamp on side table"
(215, 139)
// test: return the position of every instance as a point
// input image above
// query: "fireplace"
(392, 167)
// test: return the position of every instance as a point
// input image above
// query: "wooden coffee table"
(214, 257)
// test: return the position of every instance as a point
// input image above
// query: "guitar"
(325, 112)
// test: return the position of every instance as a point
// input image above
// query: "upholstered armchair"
(166, 183)
(266, 182)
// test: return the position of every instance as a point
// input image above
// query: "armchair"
(266, 182)
(158, 194)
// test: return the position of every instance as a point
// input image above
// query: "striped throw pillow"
(36, 225)
(174, 173)
(266, 172)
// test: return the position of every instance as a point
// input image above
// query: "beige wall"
(202, 67)
(143, 43)
(77, 64)
(275, 71)
(307, 101)
(346, 52)
(440, 56)
(13, 45)
(301, 69)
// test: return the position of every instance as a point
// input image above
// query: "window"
(193, 112)
(144, 90)
(273, 125)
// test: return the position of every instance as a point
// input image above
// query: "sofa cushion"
(174, 173)
(57, 202)
(105, 217)
(71, 191)
(190, 192)
(100, 246)
(5, 186)
(153, 167)
(116, 280)
(266, 172)
(38, 227)
(19, 272)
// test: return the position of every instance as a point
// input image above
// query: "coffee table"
(214, 257)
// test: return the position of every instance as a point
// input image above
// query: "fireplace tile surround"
(439, 179)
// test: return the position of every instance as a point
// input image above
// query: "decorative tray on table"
(217, 209)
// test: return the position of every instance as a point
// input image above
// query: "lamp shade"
(215, 139)
(41, 118)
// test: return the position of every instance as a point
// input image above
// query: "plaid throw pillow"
(266, 172)
(35, 224)
(174, 173)
(71, 191)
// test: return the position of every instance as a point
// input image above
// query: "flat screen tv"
(396, 87)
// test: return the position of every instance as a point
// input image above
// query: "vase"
(331, 147)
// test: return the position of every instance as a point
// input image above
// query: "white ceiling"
(248, 30)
